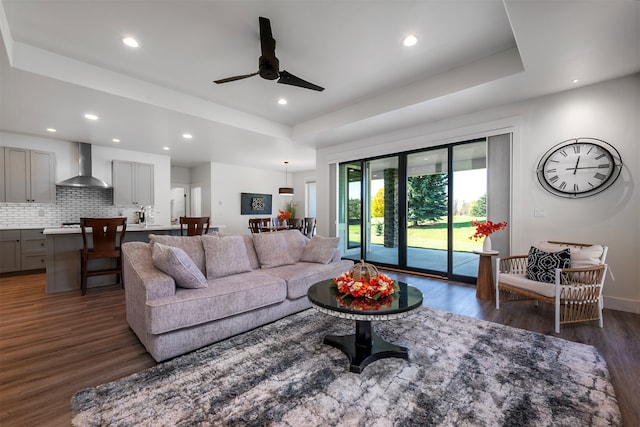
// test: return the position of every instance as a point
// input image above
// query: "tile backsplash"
(72, 203)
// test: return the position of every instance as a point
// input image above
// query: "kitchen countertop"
(27, 227)
(130, 227)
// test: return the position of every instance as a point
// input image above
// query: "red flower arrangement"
(284, 214)
(377, 287)
(364, 304)
(484, 229)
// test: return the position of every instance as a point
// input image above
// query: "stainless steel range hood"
(84, 178)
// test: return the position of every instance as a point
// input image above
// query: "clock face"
(579, 168)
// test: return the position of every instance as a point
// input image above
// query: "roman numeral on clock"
(563, 185)
(599, 176)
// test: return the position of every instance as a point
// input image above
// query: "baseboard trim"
(622, 304)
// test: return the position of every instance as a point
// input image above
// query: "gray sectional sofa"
(183, 293)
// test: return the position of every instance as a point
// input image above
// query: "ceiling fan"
(268, 64)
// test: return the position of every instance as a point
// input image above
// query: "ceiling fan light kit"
(269, 65)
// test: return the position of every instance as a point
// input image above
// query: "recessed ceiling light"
(282, 101)
(166, 148)
(575, 81)
(90, 116)
(410, 40)
(116, 140)
(131, 42)
(187, 136)
(52, 130)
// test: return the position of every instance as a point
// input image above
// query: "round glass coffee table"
(365, 346)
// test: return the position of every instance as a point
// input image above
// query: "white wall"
(300, 180)
(608, 111)
(228, 181)
(180, 175)
(201, 177)
(101, 157)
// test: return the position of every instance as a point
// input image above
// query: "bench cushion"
(520, 281)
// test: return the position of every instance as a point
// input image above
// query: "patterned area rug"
(461, 371)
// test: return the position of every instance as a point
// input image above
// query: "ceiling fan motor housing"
(268, 68)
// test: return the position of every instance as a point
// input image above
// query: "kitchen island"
(63, 254)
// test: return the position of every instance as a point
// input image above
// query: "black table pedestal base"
(365, 346)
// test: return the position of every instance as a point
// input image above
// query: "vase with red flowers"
(484, 230)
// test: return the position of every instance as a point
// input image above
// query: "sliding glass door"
(350, 209)
(428, 210)
(469, 204)
(381, 214)
(414, 210)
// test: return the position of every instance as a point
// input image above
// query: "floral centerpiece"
(364, 304)
(284, 214)
(484, 230)
(371, 286)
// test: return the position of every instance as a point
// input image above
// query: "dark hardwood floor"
(52, 345)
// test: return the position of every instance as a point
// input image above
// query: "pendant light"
(286, 191)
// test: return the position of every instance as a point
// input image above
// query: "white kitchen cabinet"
(132, 183)
(10, 252)
(29, 176)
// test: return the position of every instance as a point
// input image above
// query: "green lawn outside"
(432, 236)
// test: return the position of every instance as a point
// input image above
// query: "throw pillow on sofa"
(192, 245)
(272, 250)
(541, 265)
(225, 255)
(176, 263)
(320, 249)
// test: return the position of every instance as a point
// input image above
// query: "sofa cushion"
(192, 245)
(301, 275)
(320, 249)
(251, 251)
(296, 242)
(585, 256)
(541, 265)
(177, 264)
(225, 255)
(225, 297)
(272, 249)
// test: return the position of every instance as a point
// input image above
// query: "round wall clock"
(579, 167)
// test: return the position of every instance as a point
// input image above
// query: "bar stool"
(105, 243)
(196, 225)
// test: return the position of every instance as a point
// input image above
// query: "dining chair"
(294, 224)
(103, 241)
(309, 227)
(255, 225)
(195, 225)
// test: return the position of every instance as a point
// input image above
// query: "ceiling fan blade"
(289, 79)
(234, 78)
(267, 42)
